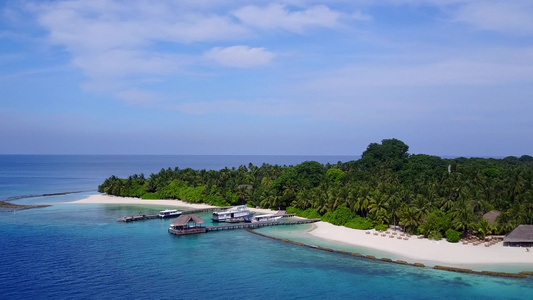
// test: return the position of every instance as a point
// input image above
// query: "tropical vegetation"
(424, 194)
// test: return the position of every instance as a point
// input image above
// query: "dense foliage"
(422, 193)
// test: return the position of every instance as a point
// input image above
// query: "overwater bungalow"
(187, 224)
(522, 236)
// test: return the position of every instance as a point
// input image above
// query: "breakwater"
(10, 206)
(14, 198)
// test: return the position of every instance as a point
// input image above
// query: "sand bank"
(106, 199)
(424, 250)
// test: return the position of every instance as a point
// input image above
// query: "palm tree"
(410, 217)
(526, 212)
(270, 200)
(505, 222)
(362, 204)
(483, 228)
(303, 200)
(377, 207)
(462, 216)
(515, 184)
(394, 204)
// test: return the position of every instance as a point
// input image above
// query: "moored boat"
(231, 214)
(266, 218)
(169, 213)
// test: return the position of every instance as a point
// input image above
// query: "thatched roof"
(491, 216)
(521, 234)
(184, 219)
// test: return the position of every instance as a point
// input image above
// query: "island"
(464, 203)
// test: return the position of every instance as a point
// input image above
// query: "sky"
(293, 77)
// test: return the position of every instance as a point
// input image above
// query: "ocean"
(80, 251)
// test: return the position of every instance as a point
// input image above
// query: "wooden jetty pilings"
(137, 218)
(148, 217)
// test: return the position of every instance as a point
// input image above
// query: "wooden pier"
(254, 225)
(137, 218)
(260, 224)
(187, 212)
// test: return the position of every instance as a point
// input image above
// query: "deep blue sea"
(75, 251)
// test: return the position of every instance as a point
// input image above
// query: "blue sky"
(448, 77)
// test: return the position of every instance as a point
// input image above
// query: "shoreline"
(424, 251)
(106, 199)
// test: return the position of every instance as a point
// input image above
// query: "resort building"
(187, 224)
(491, 217)
(522, 236)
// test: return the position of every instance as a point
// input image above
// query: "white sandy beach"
(413, 250)
(106, 199)
(426, 251)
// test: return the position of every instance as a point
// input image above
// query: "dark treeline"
(424, 194)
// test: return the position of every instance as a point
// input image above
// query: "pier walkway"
(137, 218)
(141, 217)
(185, 212)
(259, 224)
(255, 225)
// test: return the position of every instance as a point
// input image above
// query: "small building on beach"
(187, 224)
(522, 236)
(491, 217)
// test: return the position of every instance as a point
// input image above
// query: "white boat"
(240, 211)
(266, 218)
(169, 213)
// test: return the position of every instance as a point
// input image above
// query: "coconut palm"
(410, 217)
(483, 228)
(377, 207)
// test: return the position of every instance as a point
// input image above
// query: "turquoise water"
(75, 251)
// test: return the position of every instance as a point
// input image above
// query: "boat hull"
(169, 216)
(187, 231)
(234, 216)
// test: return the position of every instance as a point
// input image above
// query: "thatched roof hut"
(491, 216)
(185, 220)
(522, 236)
(187, 224)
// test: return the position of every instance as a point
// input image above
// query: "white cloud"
(110, 41)
(240, 56)
(513, 17)
(277, 16)
(354, 111)
(494, 67)
(510, 17)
